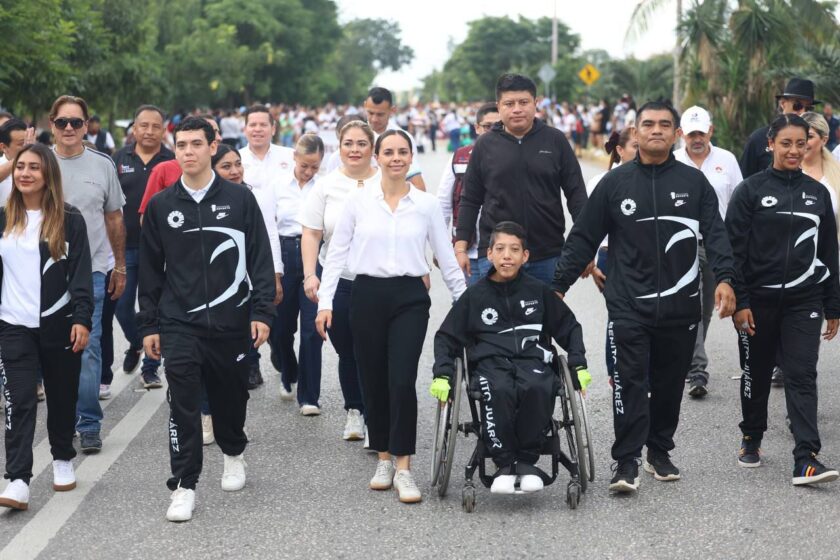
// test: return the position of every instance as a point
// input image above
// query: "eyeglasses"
(61, 123)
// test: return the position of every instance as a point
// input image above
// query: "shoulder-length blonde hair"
(831, 169)
(52, 203)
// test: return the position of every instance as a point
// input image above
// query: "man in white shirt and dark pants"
(262, 160)
(721, 169)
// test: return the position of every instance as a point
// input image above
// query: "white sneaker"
(104, 392)
(207, 436)
(504, 484)
(384, 476)
(310, 410)
(354, 427)
(16, 495)
(530, 483)
(287, 395)
(64, 478)
(406, 487)
(233, 478)
(182, 506)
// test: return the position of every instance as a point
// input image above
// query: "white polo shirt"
(259, 173)
(721, 169)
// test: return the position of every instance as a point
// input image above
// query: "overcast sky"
(428, 25)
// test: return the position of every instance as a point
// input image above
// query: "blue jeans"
(342, 340)
(305, 371)
(88, 411)
(475, 274)
(542, 270)
(126, 312)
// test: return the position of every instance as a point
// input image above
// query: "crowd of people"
(231, 231)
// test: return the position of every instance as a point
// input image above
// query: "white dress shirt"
(259, 173)
(325, 204)
(721, 169)
(290, 199)
(836, 153)
(198, 194)
(370, 239)
(444, 194)
(5, 184)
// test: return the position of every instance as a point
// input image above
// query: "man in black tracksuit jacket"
(507, 328)
(206, 285)
(654, 210)
(519, 172)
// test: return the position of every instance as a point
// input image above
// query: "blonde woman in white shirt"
(382, 237)
(818, 162)
(318, 217)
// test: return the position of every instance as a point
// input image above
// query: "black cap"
(800, 88)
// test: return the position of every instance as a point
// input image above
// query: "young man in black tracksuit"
(784, 241)
(506, 322)
(654, 209)
(519, 171)
(206, 297)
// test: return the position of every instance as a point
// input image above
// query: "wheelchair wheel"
(589, 454)
(446, 433)
(573, 398)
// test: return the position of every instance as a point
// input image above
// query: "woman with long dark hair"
(784, 240)
(46, 304)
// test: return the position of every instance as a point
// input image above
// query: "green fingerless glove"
(440, 389)
(584, 378)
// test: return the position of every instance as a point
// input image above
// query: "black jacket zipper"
(510, 320)
(204, 267)
(787, 244)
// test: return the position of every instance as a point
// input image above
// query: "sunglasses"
(61, 123)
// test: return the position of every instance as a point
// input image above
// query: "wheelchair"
(574, 451)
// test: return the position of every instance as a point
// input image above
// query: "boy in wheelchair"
(506, 322)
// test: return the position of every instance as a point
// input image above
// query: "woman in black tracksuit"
(46, 303)
(784, 241)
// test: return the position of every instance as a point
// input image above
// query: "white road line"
(44, 525)
(41, 456)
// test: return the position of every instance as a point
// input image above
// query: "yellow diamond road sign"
(589, 74)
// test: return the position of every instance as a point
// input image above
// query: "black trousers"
(517, 400)
(389, 317)
(222, 365)
(646, 360)
(791, 334)
(22, 356)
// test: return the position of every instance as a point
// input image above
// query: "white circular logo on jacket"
(175, 219)
(769, 201)
(628, 206)
(489, 316)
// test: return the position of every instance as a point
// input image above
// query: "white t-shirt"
(324, 206)
(230, 127)
(371, 239)
(260, 173)
(21, 291)
(5, 184)
(721, 169)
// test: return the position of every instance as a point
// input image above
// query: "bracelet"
(119, 270)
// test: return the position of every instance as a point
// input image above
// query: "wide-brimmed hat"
(800, 88)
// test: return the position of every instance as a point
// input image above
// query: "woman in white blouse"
(381, 238)
(318, 217)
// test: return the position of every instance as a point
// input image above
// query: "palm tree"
(638, 26)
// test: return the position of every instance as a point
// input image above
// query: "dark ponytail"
(617, 139)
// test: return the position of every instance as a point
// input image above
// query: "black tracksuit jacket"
(522, 181)
(784, 241)
(653, 215)
(196, 260)
(66, 284)
(514, 320)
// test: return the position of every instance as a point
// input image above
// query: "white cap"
(695, 119)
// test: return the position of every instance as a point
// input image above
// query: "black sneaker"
(151, 380)
(131, 360)
(254, 377)
(659, 464)
(697, 388)
(626, 478)
(749, 455)
(90, 442)
(811, 471)
(778, 377)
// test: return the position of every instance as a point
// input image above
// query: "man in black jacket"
(519, 172)
(507, 321)
(203, 242)
(654, 210)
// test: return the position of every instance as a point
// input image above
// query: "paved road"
(307, 493)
